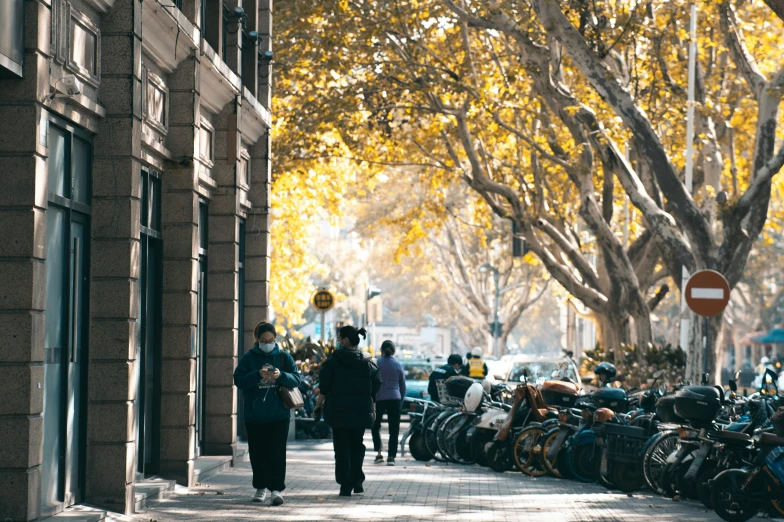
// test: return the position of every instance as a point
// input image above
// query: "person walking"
(259, 373)
(389, 400)
(349, 380)
(452, 367)
(476, 367)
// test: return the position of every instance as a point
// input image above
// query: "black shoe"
(390, 461)
(359, 489)
(344, 492)
(379, 460)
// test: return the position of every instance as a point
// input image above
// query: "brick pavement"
(413, 491)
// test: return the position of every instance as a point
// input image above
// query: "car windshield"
(417, 371)
(536, 372)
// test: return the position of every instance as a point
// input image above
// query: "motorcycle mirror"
(733, 385)
(586, 379)
(704, 380)
(736, 377)
(658, 374)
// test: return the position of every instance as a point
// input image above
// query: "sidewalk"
(414, 491)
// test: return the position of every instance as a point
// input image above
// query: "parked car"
(538, 369)
(417, 376)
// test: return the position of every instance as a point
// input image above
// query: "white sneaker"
(260, 495)
(277, 498)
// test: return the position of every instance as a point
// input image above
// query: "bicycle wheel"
(447, 437)
(654, 461)
(551, 464)
(431, 435)
(528, 451)
(417, 448)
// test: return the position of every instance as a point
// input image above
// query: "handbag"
(290, 398)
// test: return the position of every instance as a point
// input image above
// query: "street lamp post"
(494, 327)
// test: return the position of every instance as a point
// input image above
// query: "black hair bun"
(362, 332)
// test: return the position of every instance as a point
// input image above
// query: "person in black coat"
(349, 380)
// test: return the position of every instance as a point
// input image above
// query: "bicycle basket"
(446, 398)
(624, 443)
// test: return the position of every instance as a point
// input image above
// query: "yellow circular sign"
(323, 300)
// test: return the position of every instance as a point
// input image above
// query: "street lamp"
(487, 267)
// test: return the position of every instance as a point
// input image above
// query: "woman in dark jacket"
(259, 373)
(349, 380)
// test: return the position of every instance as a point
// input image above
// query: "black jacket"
(439, 374)
(350, 380)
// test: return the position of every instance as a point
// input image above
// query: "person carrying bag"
(269, 381)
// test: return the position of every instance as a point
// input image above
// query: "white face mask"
(267, 348)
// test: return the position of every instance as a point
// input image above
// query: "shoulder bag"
(291, 398)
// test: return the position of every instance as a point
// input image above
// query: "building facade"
(134, 257)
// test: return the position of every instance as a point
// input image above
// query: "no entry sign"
(707, 293)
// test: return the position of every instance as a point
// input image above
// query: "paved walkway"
(414, 491)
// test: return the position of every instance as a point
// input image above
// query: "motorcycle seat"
(770, 439)
(733, 436)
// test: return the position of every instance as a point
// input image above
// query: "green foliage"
(638, 363)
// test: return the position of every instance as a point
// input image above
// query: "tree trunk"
(699, 359)
(613, 333)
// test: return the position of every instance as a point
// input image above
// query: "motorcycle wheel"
(417, 447)
(686, 488)
(627, 477)
(551, 465)
(607, 482)
(706, 474)
(582, 461)
(775, 507)
(654, 462)
(527, 451)
(477, 443)
(729, 500)
(498, 458)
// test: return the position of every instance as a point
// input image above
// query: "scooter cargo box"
(665, 410)
(613, 398)
(698, 403)
(458, 386)
(778, 422)
(560, 394)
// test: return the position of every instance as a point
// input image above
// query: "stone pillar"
(250, 55)
(233, 41)
(257, 240)
(264, 94)
(179, 221)
(23, 202)
(221, 421)
(114, 291)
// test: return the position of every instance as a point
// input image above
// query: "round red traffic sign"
(707, 293)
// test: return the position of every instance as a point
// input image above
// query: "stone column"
(179, 220)
(264, 94)
(257, 240)
(23, 202)
(114, 291)
(221, 420)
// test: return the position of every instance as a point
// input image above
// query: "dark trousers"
(267, 449)
(349, 454)
(392, 409)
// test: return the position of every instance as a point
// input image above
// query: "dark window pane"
(56, 161)
(145, 210)
(203, 224)
(80, 170)
(11, 24)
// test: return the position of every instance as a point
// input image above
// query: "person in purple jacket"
(389, 399)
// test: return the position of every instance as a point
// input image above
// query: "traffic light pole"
(323, 327)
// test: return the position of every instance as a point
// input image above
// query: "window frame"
(78, 18)
(206, 125)
(153, 81)
(245, 168)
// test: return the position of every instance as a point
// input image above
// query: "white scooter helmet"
(473, 397)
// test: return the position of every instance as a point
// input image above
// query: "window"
(243, 170)
(206, 142)
(156, 101)
(84, 55)
(11, 37)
